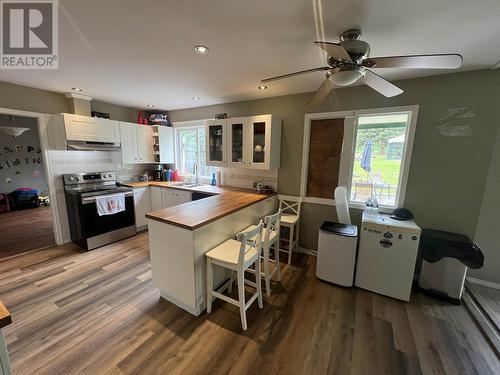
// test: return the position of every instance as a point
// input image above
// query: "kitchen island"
(180, 236)
(5, 320)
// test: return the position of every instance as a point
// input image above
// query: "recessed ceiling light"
(76, 89)
(262, 87)
(196, 98)
(150, 106)
(201, 49)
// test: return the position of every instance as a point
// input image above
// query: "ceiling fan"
(349, 62)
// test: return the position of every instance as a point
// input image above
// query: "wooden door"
(325, 150)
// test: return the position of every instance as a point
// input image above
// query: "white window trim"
(347, 155)
(192, 124)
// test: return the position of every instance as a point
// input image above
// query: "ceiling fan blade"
(323, 91)
(296, 74)
(334, 50)
(446, 61)
(380, 84)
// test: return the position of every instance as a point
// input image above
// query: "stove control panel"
(84, 178)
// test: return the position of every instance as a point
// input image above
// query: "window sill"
(352, 205)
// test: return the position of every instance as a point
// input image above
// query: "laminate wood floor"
(489, 299)
(96, 312)
(25, 230)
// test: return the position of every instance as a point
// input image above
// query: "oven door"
(93, 225)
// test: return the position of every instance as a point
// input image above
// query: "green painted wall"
(447, 175)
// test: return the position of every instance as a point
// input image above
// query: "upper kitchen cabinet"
(136, 143)
(90, 129)
(128, 137)
(215, 135)
(237, 130)
(254, 142)
(145, 151)
(264, 142)
(75, 132)
(163, 138)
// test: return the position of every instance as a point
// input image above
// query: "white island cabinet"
(178, 250)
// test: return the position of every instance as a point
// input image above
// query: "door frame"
(43, 120)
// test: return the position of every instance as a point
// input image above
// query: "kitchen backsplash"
(86, 161)
(245, 178)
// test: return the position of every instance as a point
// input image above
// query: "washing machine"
(386, 256)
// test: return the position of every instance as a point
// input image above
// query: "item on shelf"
(219, 178)
(267, 189)
(220, 116)
(140, 118)
(159, 118)
(100, 114)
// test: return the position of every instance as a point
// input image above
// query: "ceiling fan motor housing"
(357, 49)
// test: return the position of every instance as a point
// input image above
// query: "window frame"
(348, 151)
(187, 125)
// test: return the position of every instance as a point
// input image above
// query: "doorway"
(25, 207)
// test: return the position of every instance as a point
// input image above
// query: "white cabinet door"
(84, 128)
(264, 146)
(215, 138)
(142, 204)
(181, 196)
(128, 140)
(237, 139)
(167, 198)
(156, 198)
(174, 197)
(145, 144)
(166, 140)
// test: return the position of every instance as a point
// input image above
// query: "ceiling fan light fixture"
(13, 131)
(347, 77)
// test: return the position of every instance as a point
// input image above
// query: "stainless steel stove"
(88, 229)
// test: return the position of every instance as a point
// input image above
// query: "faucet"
(196, 174)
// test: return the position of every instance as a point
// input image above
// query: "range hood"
(92, 146)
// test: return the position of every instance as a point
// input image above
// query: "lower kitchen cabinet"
(143, 205)
(173, 197)
(156, 201)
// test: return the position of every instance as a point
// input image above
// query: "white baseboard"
(303, 250)
(489, 284)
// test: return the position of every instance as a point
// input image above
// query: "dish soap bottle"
(214, 181)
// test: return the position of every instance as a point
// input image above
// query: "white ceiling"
(133, 52)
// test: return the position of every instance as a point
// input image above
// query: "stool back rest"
(290, 207)
(252, 238)
(272, 223)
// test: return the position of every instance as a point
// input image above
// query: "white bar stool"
(270, 238)
(290, 218)
(237, 256)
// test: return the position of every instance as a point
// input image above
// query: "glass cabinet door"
(236, 146)
(216, 143)
(259, 142)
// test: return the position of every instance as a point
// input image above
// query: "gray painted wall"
(36, 100)
(30, 175)
(447, 175)
(488, 226)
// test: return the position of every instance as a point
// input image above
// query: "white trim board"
(347, 157)
(486, 283)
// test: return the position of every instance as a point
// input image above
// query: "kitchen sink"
(187, 184)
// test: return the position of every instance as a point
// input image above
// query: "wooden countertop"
(5, 318)
(192, 215)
